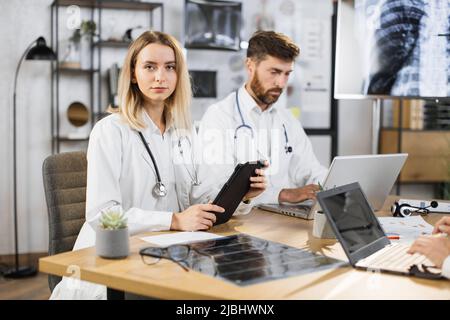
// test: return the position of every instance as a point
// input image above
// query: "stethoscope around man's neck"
(160, 190)
(243, 125)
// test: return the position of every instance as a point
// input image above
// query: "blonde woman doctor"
(142, 159)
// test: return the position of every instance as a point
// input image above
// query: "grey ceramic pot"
(112, 244)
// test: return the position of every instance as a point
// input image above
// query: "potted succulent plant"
(112, 236)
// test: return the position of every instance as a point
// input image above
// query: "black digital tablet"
(234, 190)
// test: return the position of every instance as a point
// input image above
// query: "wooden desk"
(167, 280)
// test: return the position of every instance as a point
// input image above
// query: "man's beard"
(264, 96)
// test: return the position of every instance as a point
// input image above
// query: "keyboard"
(393, 257)
(294, 208)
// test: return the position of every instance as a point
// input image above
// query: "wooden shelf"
(75, 70)
(67, 139)
(428, 154)
(109, 4)
(110, 43)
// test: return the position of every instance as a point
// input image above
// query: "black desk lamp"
(37, 50)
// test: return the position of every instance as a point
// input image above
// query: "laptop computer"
(375, 173)
(361, 235)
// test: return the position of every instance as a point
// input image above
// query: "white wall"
(21, 21)
(33, 124)
(355, 127)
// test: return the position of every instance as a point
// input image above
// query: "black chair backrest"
(65, 191)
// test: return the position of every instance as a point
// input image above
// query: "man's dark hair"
(271, 43)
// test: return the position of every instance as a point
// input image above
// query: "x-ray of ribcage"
(410, 48)
(212, 26)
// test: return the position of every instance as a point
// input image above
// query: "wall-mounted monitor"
(212, 25)
(204, 83)
(393, 48)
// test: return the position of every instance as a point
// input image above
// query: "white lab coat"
(287, 170)
(121, 175)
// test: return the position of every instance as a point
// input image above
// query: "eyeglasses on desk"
(181, 255)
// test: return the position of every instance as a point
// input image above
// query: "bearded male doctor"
(249, 125)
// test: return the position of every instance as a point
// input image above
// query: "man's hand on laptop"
(298, 194)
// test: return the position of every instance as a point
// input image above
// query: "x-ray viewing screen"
(397, 48)
(212, 24)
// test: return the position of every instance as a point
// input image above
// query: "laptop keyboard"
(296, 208)
(394, 257)
(298, 211)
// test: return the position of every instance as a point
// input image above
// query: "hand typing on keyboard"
(436, 247)
(442, 226)
(298, 194)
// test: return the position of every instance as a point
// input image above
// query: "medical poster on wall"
(308, 23)
(311, 84)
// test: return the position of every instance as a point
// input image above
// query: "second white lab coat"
(121, 176)
(225, 145)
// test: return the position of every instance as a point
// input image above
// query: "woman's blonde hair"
(131, 100)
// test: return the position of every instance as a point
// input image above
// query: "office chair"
(65, 192)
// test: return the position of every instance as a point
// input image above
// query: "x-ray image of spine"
(409, 47)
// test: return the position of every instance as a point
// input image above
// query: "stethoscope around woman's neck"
(243, 125)
(160, 190)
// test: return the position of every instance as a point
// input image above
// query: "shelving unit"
(428, 154)
(428, 149)
(110, 4)
(97, 107)
(120, 44)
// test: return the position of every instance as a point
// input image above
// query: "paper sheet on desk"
(166, 240)
(409, 229)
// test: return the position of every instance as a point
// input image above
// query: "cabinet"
(429, 155)
(88, 85)
(414, 131)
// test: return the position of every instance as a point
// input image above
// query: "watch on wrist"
(246, 201)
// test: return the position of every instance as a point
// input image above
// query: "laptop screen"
(353, 217)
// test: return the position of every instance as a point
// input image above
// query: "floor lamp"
(37, 50)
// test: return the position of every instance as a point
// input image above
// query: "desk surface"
(167, 280)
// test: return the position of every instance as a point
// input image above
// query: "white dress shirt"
(224, 151)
